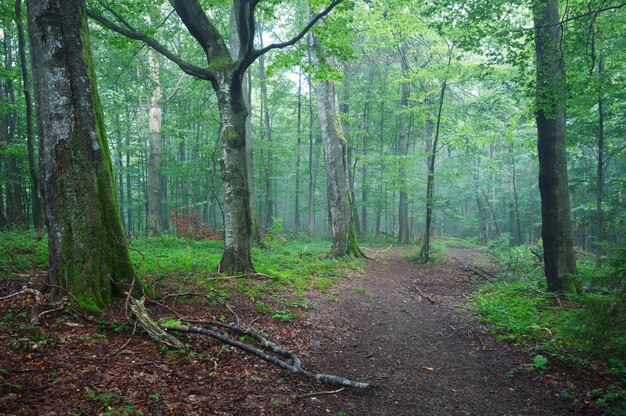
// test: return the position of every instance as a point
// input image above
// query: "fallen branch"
(320, 393)
(26, 290)
(287, 360)
(420, 294)
(154, 330)
(378, 251)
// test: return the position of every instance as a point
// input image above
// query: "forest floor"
(399, 325)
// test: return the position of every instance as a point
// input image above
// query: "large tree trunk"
(335, 155)
(237, 255)
(403, 148)
(559, 259)
(155, 151)
(88, 252)
(38, 219)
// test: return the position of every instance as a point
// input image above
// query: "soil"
(401, 326)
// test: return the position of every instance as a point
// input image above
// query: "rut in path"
(427, 357)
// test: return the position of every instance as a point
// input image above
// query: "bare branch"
(188, 68)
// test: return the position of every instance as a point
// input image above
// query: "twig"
(377, 251)
(320, 393)
(242, 276)
(125, 344)
(419, 292)
(38, 295)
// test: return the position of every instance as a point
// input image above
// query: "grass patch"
(21, 252)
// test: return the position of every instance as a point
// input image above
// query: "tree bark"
(600, 234)
(88, 252)
(155, 151)
(38, 219)
(559, 259)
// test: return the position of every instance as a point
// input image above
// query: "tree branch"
(200, 27)
(187, 67)
(281, 45)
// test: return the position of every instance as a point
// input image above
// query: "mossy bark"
(88, 252)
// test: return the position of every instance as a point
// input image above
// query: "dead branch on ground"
(285, 359)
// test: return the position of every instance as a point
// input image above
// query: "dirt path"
(427, 358)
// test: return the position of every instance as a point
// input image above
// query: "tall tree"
(559, 259)
(37, 212)
(155, 150)
(403, 148)
(88, 253)
(341, 218)
(226, 77)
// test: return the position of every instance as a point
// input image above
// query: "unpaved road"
(427, 358)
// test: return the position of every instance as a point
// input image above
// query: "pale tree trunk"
(311, 203)
(559, 259)
(403, 148)
(296, 219)
(600, 233)
(38, 219)
(335, 155)
(345, 128)
(88, 252)
(267, 135)
(155, 150)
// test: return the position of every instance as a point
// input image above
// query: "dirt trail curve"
(426, 357)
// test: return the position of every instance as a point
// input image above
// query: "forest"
(312, 207)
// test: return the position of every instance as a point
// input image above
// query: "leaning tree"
(88, 252)
(226, 75)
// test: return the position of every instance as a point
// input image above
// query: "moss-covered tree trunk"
(556, 231)
(88, 253)
(340, 209)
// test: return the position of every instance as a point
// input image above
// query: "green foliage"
(114, 403)
(586, 330)
(21, 252)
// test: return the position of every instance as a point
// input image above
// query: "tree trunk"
(237, 256)
(559, 258)
(600, 234)
(296, 219)
(335, 155)
(430, 184)
(267, 129)
(155, 151)
(38, 219)
(15, 213)
(88, 252)
(403, 148)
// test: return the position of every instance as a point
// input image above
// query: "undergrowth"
(586, 330)
(294, 264)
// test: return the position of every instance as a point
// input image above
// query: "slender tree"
(155, 150)
(88, 253)
(37, 212)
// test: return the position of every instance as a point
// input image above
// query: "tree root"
(287, 360)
